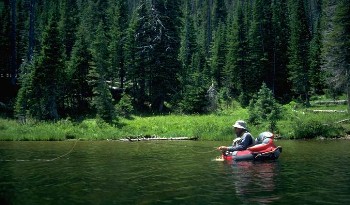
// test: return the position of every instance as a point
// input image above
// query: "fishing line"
(203, 152)
(217, 159)
(71, 150)
(45, 160)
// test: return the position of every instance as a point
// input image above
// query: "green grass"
(295, 124)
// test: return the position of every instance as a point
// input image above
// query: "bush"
(263, 107)
(124, 107)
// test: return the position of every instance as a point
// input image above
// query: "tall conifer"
(117, 35)
(79, 92)
(236, 67)
(336, 45)
(102, 97)
(138, 48)
(281, 87)
(46, 80)
(298, 51)
(218, 55)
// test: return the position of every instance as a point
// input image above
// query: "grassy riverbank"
(301, 123)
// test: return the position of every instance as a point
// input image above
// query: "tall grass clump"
(205, 127)
(310, 128)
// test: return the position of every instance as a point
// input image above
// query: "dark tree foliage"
(5, 48)
(236, 67)
(31, 31)
(316, 76)
(218, 56)
(68, 25)
(46, 84)
(298, 51)
(102, 97)
(78, 58)
(260, 44)
(281, 86)
(336, 45)
(219, 13)
(164, 82)
(138, 51)
(154, 40)
(79, 92)
(188, 46)
(117, 34)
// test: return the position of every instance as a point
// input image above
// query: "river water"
(171, 172)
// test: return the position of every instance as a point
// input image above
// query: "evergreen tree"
(118, 17)
(22, 32)
(298, 51)
(79, 92)
(31, 31)
(280, 34)
(195, 100)
(137, 53)
(218, 54)
(219, 13)
(164, 81)
(260, 44)
(236, 67)
(192, 57)
(188, 45)
(27, 65)
(89, 18)
(13, 42)
(5, 47)
(203, 24)
(257, 57)
(336, 45)
(46, 81)
(236, 45)
(23, 95)
(316, 75)
(68, 25)
(102, 97)
(263, 107)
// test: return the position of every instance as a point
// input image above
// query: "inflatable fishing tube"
(246, 155)
(264, 149)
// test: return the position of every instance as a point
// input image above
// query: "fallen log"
(330, 111)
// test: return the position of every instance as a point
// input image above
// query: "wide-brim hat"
(240, 124)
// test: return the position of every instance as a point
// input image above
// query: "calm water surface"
(172, 172)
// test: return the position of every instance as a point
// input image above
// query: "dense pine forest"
(106, 58)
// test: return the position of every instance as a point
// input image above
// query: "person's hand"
(222, 148)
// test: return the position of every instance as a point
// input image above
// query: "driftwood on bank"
(149, 138)
(331, 102)
(341, 121)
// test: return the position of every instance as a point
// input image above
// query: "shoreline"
(202, 127)
(147, 138)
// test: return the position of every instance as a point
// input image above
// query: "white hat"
(240, 124)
